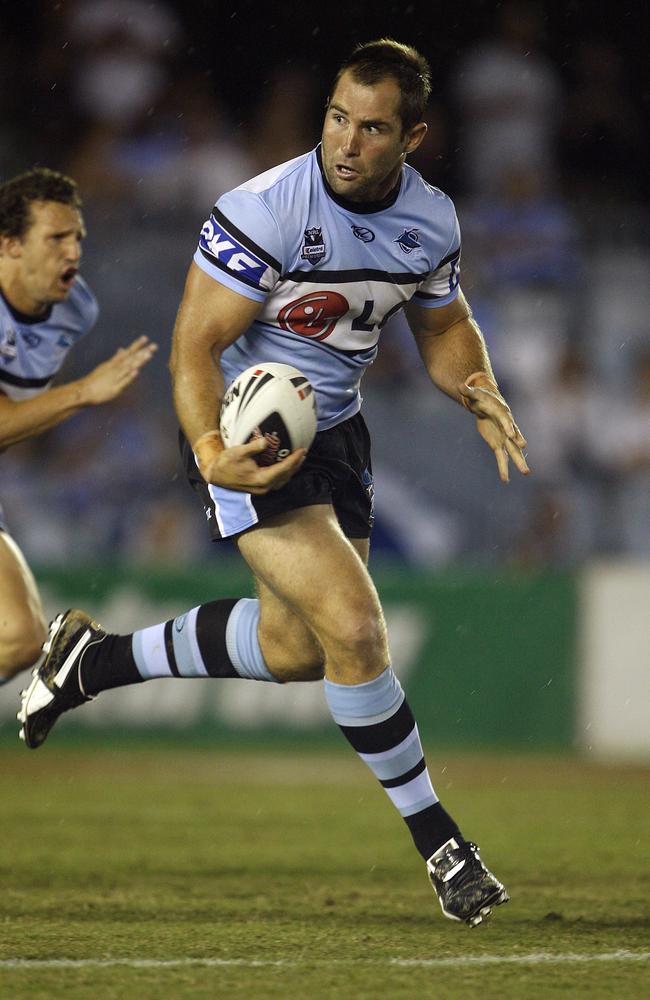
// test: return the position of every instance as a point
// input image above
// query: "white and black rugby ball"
(269, 400)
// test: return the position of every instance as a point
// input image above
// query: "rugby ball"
(269, 400)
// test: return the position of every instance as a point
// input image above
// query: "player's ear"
(414, 137)
(11, 246)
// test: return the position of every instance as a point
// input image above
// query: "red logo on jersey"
(313, 315)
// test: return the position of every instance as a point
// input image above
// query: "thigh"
(291, 650)
(21, 611)
(305, 561)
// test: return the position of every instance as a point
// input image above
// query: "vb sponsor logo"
(219, 244)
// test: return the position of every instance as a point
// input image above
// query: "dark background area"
(237, 47)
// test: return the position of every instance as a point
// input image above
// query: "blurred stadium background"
(518, 614)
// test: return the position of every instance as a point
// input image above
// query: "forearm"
(198, 386)
(22, 419)
(209, 320)
(456, 355)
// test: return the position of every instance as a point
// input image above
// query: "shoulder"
(83, 305)
(272, 194)
(258, 215)
(434, 210)
(428, 197)
(279, 178)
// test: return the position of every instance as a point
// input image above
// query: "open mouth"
(342, 170)
(68, 276)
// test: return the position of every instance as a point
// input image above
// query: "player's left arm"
(456, 358)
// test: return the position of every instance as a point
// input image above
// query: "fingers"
(273, 477)
(502, 464)
(253, 448)
(506, 451)
(517, 456)
(235, 468)
(137, 344)
(136, 354)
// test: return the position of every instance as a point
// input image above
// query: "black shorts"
(336, 471)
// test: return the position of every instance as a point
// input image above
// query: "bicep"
(211, 316)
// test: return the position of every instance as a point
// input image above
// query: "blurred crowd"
(542, 156)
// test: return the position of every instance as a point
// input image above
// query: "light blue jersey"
(328, 273)
(32, 350)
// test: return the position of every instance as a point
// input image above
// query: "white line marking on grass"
(536, 958)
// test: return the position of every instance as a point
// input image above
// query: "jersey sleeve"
(441, 286)
(241, 245)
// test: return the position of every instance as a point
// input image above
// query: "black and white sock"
(218, 639)
(376, 720)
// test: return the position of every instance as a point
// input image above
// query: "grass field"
(213, 873)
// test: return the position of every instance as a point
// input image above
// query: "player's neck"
(19, 300)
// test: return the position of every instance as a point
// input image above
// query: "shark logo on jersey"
(8, 347)
(409, 240)
(32, 339)
(363, 234)
(313, 249)
(225, 250)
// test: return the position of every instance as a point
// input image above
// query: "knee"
(292, 653)
(21, 639)
(360, 636)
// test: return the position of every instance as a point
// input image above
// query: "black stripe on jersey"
(403, 779)
(383, 735)
(25, 383)
(450, 256)
(245, 240)
(430, 295)
(169, 649)
(359, 274)
(235, 274)
(360, 356)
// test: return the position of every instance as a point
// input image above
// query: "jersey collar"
(25, 318)
(358, 207)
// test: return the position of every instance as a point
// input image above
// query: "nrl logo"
(409, 240)
(8, 347)
(313, 248)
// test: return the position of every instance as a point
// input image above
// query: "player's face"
(49, 254)
(363, 144)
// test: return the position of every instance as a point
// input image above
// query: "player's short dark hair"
(39, 184)
(372, 62)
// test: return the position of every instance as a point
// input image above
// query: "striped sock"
(376, 720)
(218, 639)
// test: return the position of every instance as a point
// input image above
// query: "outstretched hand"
(496, 425)
(113, 376)
(236, 469)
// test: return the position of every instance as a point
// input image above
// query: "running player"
(45, 307)
(305, 264)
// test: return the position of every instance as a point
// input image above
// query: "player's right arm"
(25, 418)
(211, 317)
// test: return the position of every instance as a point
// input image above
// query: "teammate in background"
(304, 264)
(45, 307)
